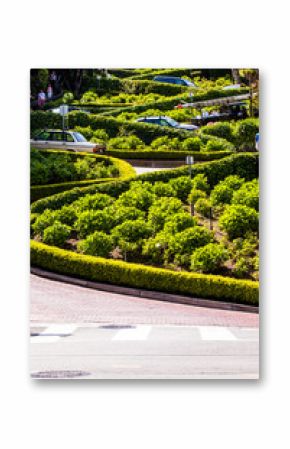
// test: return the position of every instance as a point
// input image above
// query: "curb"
(159, 296)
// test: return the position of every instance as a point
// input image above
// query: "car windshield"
(172, 122)
(80, 137)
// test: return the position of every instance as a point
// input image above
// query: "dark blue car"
(174, 80)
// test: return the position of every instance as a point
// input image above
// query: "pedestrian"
(41, 99)
(49, 92)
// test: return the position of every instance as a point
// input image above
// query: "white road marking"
(215, 333)
(137, 333)
(53, 333)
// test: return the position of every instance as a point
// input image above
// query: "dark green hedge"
(177, 155)
(243, 164)
(141, 276)
(166, 72)
(41, 191)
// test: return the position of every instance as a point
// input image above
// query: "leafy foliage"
(96, 244)
(238, 219)
(209, 258)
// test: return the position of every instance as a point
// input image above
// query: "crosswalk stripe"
(53, 333)
(215, 333)
(138, 333)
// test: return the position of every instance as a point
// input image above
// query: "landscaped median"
(141, 276)
(124, 170)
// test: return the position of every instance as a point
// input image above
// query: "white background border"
(72, 414)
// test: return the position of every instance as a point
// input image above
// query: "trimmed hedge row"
(244, 165)
(41, 191)
(141, 276)
(164, 105)
(112, 126)
(167, 155)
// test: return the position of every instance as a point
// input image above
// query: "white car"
(65, 140)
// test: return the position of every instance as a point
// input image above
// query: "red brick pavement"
(58, 302)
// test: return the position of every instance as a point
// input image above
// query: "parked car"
(174, 80)
(65, 140)
(163, 120)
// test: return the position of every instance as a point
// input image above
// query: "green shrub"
(195, 195)
(137, 197)
(154, 248)
(181, 186)
(126, 143)
(90, 221)
(191, 144)
(97, 201)
(238, 219)
(97, 244)
(44, 220)
(131, 231)
(200, 182)
(56, 234)
(213, 145)
(203, 206)
(248, 195)
(166, 143)
(220, 129)
(209, 258)
(179, 222)
(224, 190)
(140, 276)
(161, 189)
(161, 209)
(184, 243)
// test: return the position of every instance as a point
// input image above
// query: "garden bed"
(141, 233)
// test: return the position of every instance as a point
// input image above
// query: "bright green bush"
(179, 222)
(224, 190)
(124, 213)
(181, 186)
(97, 244)
(131, 231)
(90, 221)
(203, 206)
(191, 144)
(209, 258)
(220, 129)
(56, 234)
(238, 219)
(162, 189)
(136, 196)
(214, 145)
(97, 201)
(161, 209)
(125, 143)
(200, 182)
(195, 195)
(154, 248)
(184, 243)
(165, 143)
(44, 220)
(248, 195)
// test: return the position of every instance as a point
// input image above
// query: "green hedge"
(166, 72)
(244, 165)
(141, 276)
(112, 126)
(169, 103)
(177, 155)
(41, 191)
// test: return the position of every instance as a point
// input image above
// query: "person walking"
(49, 92)
(41, 99)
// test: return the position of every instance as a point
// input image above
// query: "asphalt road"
(86, 334)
